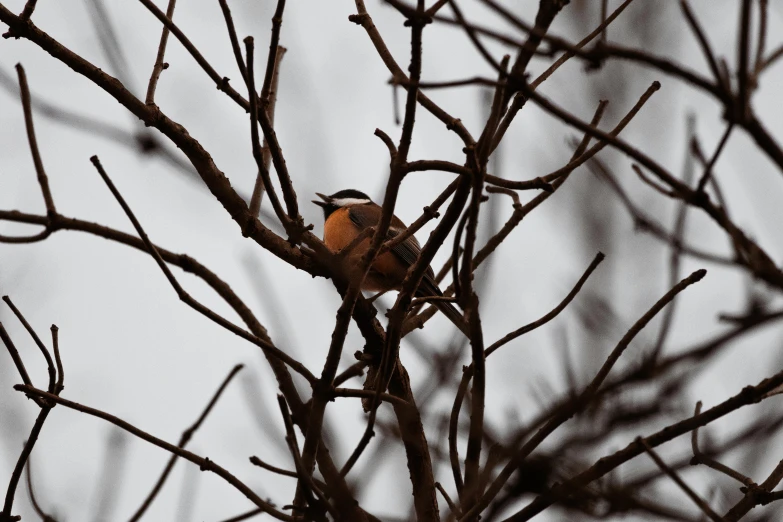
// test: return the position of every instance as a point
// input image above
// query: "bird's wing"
(408, 251)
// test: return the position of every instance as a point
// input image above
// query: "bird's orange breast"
(339, 230)
(387, 271)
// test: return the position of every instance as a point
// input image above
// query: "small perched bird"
(346, 214)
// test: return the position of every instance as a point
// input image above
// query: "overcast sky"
(131, 348)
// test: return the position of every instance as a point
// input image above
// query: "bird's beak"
(325, 202)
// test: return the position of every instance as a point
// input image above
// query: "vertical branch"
(45, 405)
(31, 492)
(743, 49)
(203, 463)
(58, 386)
(321, 503)
(159, 64)
(232, 36)
(268, 97)
(271, 59)
(761, 44)
(293, 223)
(391, 371)
(519, 99)
(584, 398)
(322, 393)
(467, 374)
(263, 171)
(547, 11)
(269, 103)
(709, 166)
(604, 12)
(43, 181)
(38, 342)
(9, 344)
(706, 49)
(675, 256)
(477, 160)
(417, 453)
(5, 514)
(29, 7)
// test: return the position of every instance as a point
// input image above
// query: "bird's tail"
(429, 288)
(454, 315)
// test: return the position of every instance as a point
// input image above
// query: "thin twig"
(270, 102)
(364, 19)
(553, 313)
(651, 183)
(31, 492)
(761, 42)
(748, 395)
(714, 159)
(701, 458)
(220, 81)
(5, 514)
(266, 346)
(183, 441)
(469, 298)
(453, 507)
(271, 60)
(43, 180)
(204, 463)
(519, 99)
(304, 474)
(576, 162)
(675, 256)
(677, 480)
(646, 223)
(232, 36)
(274, 469)
(598, 31)
(706, 49)
(355, 370)
(45, 405)
(428, 213)
(743, 72)
(757, 495)
(521, 211)
(255, 111)
(476, 42)
(9, 344)
(447, 84)
(490, 33)
(585, 397)
(432, 299)
(157, 69)
(294, 224)
(365, 394)
(58, 386)
(772, 58)
(268, 98)
(41, 346)
(338, 488)
(459, 397)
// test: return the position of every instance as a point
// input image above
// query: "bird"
(349, 212)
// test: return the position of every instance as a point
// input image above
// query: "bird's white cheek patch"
(344, 202)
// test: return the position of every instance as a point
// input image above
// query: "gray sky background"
(132, 349)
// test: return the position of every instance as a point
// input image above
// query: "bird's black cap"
(339, 199)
